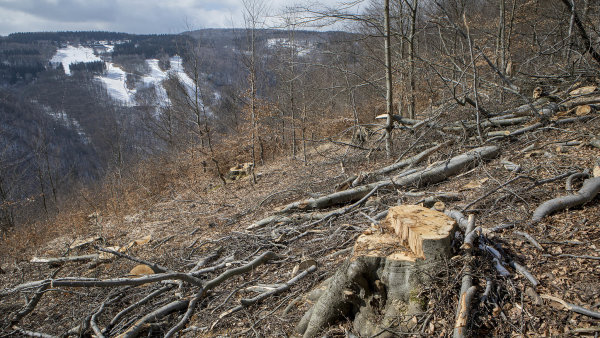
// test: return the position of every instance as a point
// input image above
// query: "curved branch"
(589, 190)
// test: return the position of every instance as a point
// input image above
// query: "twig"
(163, 241)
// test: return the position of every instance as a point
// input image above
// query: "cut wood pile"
(476, 229)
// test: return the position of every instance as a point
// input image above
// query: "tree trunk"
(382, 279)
(389, 126)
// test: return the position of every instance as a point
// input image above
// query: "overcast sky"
(130, 16)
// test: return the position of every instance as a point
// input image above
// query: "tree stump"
(378, 287)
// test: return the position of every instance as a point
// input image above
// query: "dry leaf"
(140, 270)
(583, 90)
(139, 242)
(474, 184)
(583, 110)
(81, 242)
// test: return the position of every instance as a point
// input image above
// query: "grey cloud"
(132, 16)
(65, 10)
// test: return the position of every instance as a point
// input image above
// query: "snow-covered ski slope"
(115, 79)
(72, 54)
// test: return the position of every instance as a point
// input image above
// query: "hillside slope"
(199, 229)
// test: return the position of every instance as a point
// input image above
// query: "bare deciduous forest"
(431, 169)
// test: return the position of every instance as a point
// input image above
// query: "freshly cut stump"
(379, 285)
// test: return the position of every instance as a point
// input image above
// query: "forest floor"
(199, 219)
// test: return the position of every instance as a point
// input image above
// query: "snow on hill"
(303, 47)
(114, 78)
(114, 81)
(71, 54)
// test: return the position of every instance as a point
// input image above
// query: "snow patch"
(63, 118)
(114, 78)
(115, 82)
(72, 54)
(303, 47)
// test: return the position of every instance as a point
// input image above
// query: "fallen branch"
(418, 179)
(245, 302)
(32, 333)
(407, 162)
(530, 239)
(575, 256)
(76, 282)
(589, 190)
(467, 289)
(570, 179)
(56, 260)
(573, 307)
(154, 266)
(155, 315)
(262, 259)
(133, 306)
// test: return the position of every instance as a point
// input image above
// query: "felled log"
(421, 178)
(383, 277)
(408, 162)
(511, 121)
(589, 190)
(399, 119)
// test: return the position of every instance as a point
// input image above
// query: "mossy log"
(379, 286)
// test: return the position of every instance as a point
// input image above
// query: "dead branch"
(589, 190)
(523, 271)
(570, 179)
(30, 305)
(460, 328)
(575, 256)
(467, 290)
(155, 315)
(56, 260)
(530, 239)
(407, 162)
(133, 306)
(245, 302)
(76, 282)
(262, 259)
(573, 307)
(32, 333)
(154, 266)
(186, 317)
(427, 176)
(459, 218)
(202, 262)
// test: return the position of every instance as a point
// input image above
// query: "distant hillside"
(100, 100)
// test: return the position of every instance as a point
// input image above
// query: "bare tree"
(254, 10)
